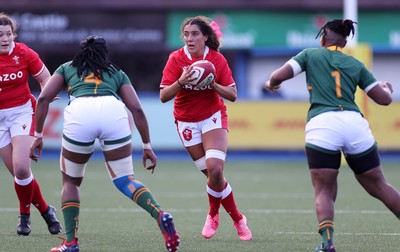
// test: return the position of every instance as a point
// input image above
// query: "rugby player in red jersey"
(17, 105)
(201, 117)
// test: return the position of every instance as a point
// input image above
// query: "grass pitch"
(276, 197)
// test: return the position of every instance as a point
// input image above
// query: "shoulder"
(121, 73)
(25, 53)
(216, 54)
(63, 67)
(20, 46)
(67, 64)
(23, 48)
(177, 54)
(216, 58)
(309, 53)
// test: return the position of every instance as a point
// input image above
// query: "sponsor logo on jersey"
(188, 86)
(11, 76)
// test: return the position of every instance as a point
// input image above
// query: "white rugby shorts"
(345, 131)
(15, 122)
(190, 132)
(101, 117)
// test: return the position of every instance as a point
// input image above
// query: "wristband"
(180, 84)
(146, 146)
(37, 134)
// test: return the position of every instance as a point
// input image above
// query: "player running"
(201, 117)
(335, 123)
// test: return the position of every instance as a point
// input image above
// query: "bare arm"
(169, 92)
(283, 73)
(43, 77)
(381, 93)
(132, 102)
(226, 92)
(49, 92)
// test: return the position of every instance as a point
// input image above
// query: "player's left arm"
(224, 83)
(226, 92)
(43, 77)
(132, 102)
(381, 93)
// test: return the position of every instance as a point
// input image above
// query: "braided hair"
(93, 58)
(204, 24)
(340, 26)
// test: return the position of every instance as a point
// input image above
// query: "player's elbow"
(163, 99)
(165, 96)
(380, 96)
(43, 100)
(384, 101)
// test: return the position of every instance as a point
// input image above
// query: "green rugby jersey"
(91, 85)
(332, 79)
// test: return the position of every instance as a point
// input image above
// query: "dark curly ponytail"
(340, 26)
(93, 57)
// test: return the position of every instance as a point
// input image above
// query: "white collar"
(11, 48)
(206, 50)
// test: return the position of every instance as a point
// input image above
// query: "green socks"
(70, 211)
(325, 228)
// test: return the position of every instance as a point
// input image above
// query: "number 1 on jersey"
(336, 75)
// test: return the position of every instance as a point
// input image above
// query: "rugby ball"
(203, 72)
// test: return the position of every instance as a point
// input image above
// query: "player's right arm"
(49, 92)
(283, 73)
(168, 92)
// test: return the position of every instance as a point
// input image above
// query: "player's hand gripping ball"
(203, 72)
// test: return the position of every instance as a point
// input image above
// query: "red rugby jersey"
(193, 104)
(14, 71)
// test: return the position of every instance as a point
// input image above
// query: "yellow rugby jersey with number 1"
(89, 85)
(332, 79)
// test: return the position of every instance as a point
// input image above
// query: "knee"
(215, 164)
(21, 170)
(216, 174)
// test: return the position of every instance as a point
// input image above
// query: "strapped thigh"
(365, 161)
(319, 158)
(212, 153)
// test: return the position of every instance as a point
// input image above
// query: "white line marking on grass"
(199, 210)
(308, 211)
(338, 233)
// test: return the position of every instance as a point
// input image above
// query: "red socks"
(230, 207)
(37, 198)
(29, 193)
(24, 194)
(214, 205)
(226, 199)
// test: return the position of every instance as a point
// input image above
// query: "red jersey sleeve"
(35, 64)
(171, 72)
